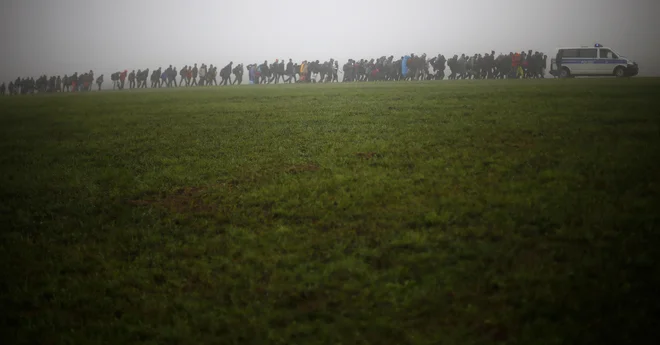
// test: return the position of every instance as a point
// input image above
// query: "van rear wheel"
(619, 72)
(564, 73)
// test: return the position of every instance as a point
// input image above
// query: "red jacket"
(515, 60)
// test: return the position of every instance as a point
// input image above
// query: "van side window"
(607, 54)
(569, 53)
(588, 53)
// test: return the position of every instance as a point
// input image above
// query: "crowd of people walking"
(410, 67)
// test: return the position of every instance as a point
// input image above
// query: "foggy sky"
(64, 36)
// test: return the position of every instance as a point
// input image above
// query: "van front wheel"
(619, 72)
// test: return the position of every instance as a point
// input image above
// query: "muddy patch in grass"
(522, 139)
(367, 155)
(301, 168)
(195, 199)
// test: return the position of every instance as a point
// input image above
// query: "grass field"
(468, 212)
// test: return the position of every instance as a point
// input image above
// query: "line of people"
(410, 67)
(75, 83)
(413, 67)
(187, 76)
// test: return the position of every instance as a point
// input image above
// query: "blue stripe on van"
(593, 61)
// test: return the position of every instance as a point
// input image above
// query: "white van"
(591, 61)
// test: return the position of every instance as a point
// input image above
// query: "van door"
(607, 61)
(589, 57)
(570, 58)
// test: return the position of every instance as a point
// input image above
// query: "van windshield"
(608, 54)
(619, 55)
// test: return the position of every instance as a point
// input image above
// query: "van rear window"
(570, 53)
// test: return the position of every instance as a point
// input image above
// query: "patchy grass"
(468, 212)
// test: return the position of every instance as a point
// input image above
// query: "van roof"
(583, 47)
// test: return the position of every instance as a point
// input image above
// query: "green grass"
(468, 212)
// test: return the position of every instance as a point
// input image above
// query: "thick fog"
(65, 36)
